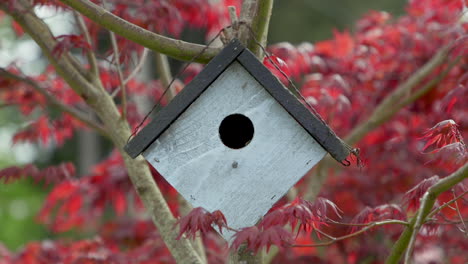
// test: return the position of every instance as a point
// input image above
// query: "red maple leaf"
(413, 197)
(257, 239)
(379, 213)
(52, 174)
(440, 135)
(200, 220)
(309, 215)
(66, 42)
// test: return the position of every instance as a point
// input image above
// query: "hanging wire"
(291, 83)
(353, 151)
(158, 103)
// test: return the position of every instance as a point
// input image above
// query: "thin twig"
(122, 85)
(395, 221)
(54, 101)
(336, 239)
(94, 69)
(438, 209)
(448, 222)
(460, 215)
(172, 47)
(138, 67)
(164, 72)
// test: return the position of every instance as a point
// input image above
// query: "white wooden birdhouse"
(235, 139)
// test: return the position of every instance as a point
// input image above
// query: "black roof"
(235, 51)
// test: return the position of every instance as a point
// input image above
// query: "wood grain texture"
(311, 123)
(191, 156)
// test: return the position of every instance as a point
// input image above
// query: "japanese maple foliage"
(360, 212)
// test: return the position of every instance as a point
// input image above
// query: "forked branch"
(408, 237)
(177, 49)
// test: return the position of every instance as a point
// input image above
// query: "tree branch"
(122, 85)
(260, 25)
(165, 76)
(363, 230)
(397, 99)
(174, 48)
(83, 117)
(94, 69)
(248, 11)
(138, 67)
(438, 209)
(407, 238)
(117, 128)
(164, 72)
(115, 48)
(42, 35)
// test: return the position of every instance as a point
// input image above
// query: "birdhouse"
(235, 139)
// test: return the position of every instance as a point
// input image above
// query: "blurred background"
(293, 21)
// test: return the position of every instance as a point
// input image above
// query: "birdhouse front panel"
(234, 149)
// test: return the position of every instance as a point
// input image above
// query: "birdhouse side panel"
(243, 182)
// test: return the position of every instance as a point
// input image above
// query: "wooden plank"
(320, 131)
(317, 129)
(243, 183)
(179, 104)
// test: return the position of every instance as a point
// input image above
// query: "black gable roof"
(234, 51)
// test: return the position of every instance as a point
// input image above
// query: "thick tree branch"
(83, 117)
(248, 11)
(117, 129)
(407, 238)
(260, 25)
(174, 48)
(397, 99)
(165, 76)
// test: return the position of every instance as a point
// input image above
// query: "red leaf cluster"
(379, 213)
(442, 134)
(67, 42)
(413, 197)
(310, 215)
(83, 199)
(200, 220)
(52, 174)
(45, 131)
(258, 238)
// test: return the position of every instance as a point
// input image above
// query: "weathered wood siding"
(191, 156)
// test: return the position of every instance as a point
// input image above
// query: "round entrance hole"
(236, 131)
